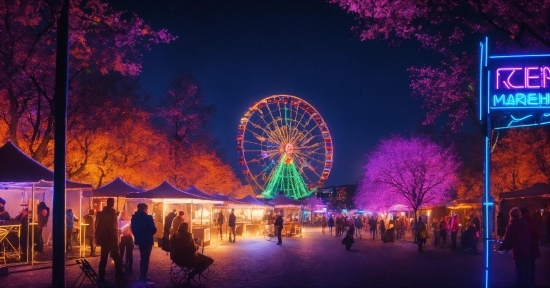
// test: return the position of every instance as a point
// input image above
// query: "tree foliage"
(101, 40)
(520, 160)
(448, 89)
(411, 172)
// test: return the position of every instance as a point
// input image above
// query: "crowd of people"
(140, 230)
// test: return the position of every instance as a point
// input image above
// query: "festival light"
(285, 178)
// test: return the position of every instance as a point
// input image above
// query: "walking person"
(323, 223)
(279, 226)
(143, 228)
(398, 227)
(435, 227)
(422, 234)
(477, 225)
(443, 231)
(106, 236)
(127, 245)
(70, 228)
(516, 238)
(372, 224)
(330, 224)
(232, 225)
(220, 223)
(382, 229)
(453, 226)
(339, 225)
(89, 219)
(358, 227)
(534, 238)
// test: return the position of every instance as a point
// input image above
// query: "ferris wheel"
(284, 145)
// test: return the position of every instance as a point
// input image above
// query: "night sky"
(243, 51)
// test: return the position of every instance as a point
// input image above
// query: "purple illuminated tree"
(409, 171)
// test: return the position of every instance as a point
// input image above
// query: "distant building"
(338, 197)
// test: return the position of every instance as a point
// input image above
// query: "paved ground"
(316, 260)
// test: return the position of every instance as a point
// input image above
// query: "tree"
(442, 27)
(183, 118)
(409, 171)
(101, 40)
(519, 160)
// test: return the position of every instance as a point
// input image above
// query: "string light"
(286, 178)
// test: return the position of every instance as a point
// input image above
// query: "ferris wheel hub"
(289, 148)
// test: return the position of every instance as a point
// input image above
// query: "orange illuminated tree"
(102, 40)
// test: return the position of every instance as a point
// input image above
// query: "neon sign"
(520, 87)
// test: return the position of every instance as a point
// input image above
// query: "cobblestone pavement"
(316, 260)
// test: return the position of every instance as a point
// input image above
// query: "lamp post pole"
(60, 114)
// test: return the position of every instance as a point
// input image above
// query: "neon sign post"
(514, 91)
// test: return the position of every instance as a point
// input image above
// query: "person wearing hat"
(232, 222)
(4, 215)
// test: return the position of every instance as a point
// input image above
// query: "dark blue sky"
(243, 51)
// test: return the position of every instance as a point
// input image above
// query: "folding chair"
(87, 272)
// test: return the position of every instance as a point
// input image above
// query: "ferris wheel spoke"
(301, 169)
(303, 156)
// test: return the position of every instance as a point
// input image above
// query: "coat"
(106, 229)
(330, 222)
(176, 224)
(534, 234)
(279, 222)
(323, 222)
(143, 228)
(516, 239)
(232, 220)
(183, 250)
(168, 221)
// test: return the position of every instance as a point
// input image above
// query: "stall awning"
(116, 188)
(249, 199)
(226, 199)
(537, 190)
(195, 191)
(19, 170)
(164, 190)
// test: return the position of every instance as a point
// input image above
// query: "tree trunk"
(415, 227)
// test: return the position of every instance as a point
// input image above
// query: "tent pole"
(32, 230)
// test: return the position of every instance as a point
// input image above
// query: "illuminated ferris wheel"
(284, 145)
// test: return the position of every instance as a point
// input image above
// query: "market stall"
(250, 213)
(291, 210)
(26, 184)
(165, 198)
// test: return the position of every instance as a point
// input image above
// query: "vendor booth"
(165, 198)
(250, 213)
(27, 185)
(292, 211)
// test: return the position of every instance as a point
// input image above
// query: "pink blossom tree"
(408, 171)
